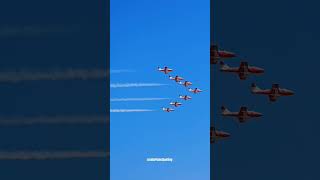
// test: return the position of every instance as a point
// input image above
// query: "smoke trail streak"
(28, 121)
(36, 30)
(130, 110)
(136, 99)
(129, 85)
(69, 74)
(52, 155)
(114, 71)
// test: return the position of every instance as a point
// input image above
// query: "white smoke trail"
(52, 155)
(69, 74)
(115, 71)
(28, 121)
(129, 85)
(137, 99)
(36, 30)
(130, 110)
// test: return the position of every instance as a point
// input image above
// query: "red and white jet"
(185, 97)
(165, 70)
(176, 78)
(217, 135)
(195, 91)
(216, 54)
(176, 104)
(167, 109)
(186, 83)
(243, 115)
(273, 93)
(243, 70)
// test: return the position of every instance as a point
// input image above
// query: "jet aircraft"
(176, 78)
(217, 54)
(243, 70)
(195, 91)
(274, 93)
(165, 70)
(185, 97)
(217, 135)
(243, 115)
(186, 83)
(167, 109)
(176, 104)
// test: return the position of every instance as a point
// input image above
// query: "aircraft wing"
(230, 69)
(255, 70)
(254, 114)
(285, 92)
(256, 90)
(263, 91)
(235, 114)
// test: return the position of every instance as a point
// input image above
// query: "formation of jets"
(178, 80)
(244, 70)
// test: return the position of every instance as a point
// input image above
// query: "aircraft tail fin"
(223, 66)
(212, 134)
(214, 52)
(224, 110)
(254, 88)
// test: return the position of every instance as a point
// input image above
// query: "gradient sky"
(59, 34)
(283, 38)
(145, 35)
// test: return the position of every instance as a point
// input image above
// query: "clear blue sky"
(81, 43)
(282, 37)
(145, 35)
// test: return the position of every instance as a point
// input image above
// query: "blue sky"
(282, 38)
(145, 35)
